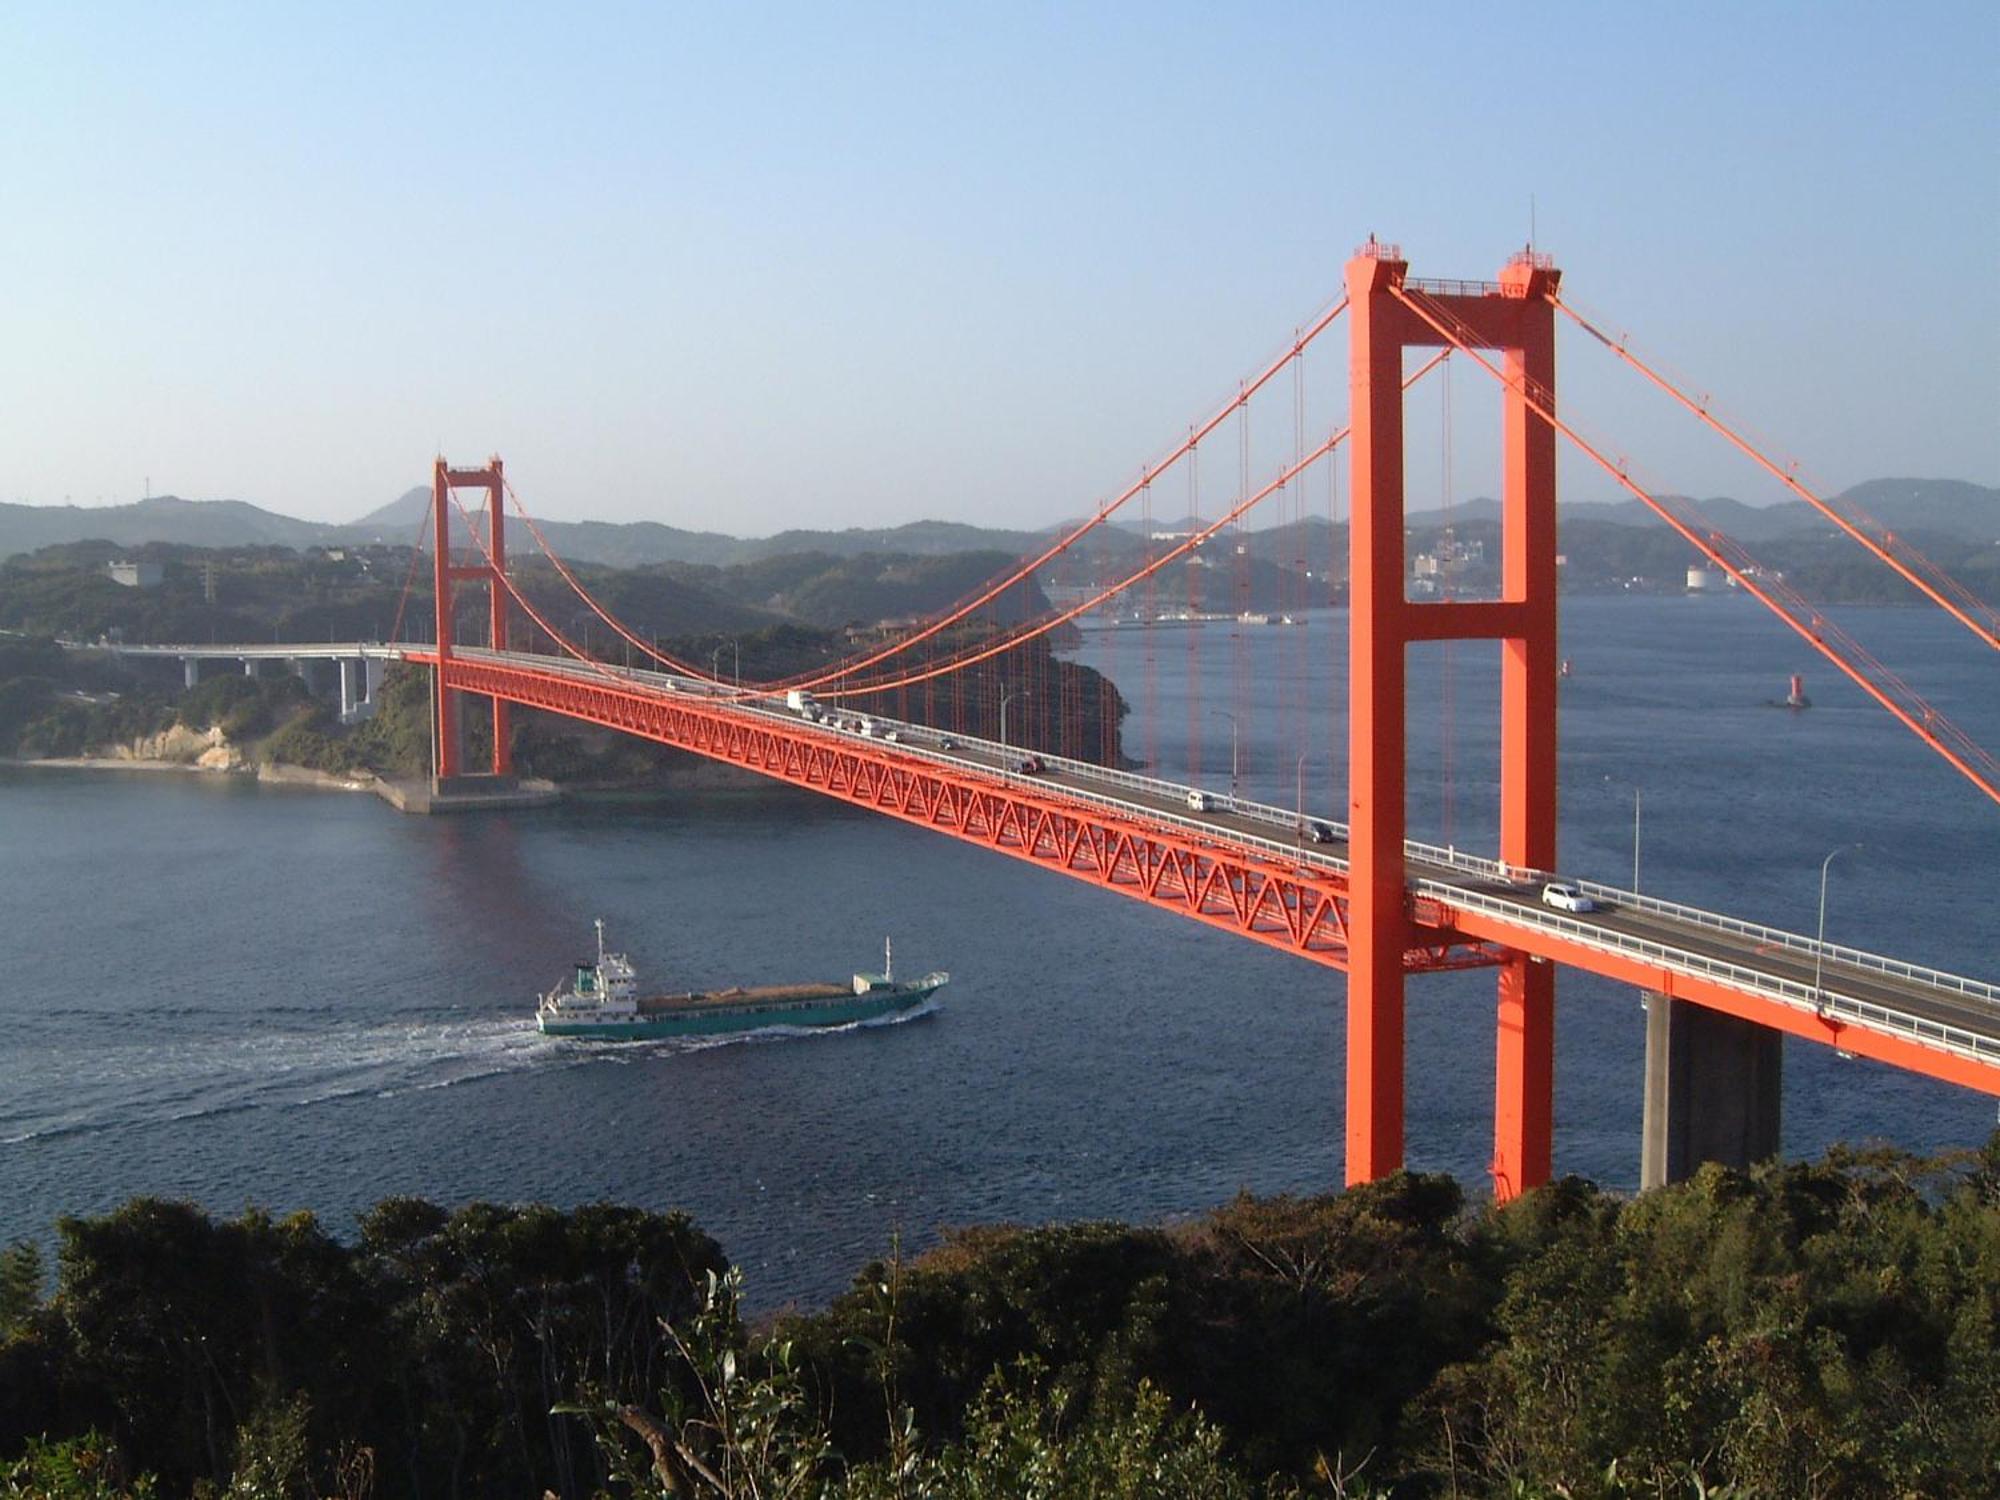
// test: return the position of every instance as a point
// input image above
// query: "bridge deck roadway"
(1510, 911)
(1943, 1025)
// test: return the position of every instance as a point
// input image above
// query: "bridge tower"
(1516, 318)
(444, 480)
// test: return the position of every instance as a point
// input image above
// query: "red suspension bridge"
(1361, 895)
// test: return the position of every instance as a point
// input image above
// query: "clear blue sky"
(751, 267)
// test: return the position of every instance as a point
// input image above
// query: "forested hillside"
(756, 622)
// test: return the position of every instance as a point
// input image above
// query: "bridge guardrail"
(1793, 942)
(263, 651)
(1786, 991)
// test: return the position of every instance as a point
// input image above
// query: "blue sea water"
(241, 994)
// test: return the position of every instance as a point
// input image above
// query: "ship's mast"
(599, 924)
(888, 960)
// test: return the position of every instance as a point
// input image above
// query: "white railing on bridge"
(1794, 942)
(257, 650)
(1820, 1000)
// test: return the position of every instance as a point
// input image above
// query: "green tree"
(20, 1284)
(501, 1313)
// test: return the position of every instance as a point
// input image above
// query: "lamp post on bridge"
(1299, 803)
(1636, 796)
(1007, 696)
(715, 661)
(1819, 943)
(1233, 744)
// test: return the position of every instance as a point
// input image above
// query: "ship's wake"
(177, 1081)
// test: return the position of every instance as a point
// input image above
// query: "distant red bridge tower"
(445, 479)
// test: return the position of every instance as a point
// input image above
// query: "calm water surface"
(242, 995)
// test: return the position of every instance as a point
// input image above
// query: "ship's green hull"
(720, 1018)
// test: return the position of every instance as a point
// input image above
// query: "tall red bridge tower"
(1515, 317)
(445, 479)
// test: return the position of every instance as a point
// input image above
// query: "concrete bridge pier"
(190, 671)
(452, 734)
(1714, 1091)
(360, 687)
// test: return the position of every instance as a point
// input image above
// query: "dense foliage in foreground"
(1830, 1328)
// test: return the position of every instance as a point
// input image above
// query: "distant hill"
(634, 544)
(164, 518)
(1942, 507)
(916, 539)
(399, 515)
(1947, 508)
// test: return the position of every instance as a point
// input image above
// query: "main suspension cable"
(839, 671)
(1965, 754)
(665, 660)
(1104, 512)
(410, 575)
(1978, 617)
(986, 650)
(603, 669)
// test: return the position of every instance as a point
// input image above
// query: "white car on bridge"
(1563, 895)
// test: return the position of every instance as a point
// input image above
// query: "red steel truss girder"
(1302, 914)
(1240, 891)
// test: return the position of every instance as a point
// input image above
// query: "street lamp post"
(1007, 696)
(1233, 742)
(715, 661)
(1299, 801)
(1636, 797)
(1819, 944)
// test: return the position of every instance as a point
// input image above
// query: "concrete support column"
(1714, 1091)
(373, 669)
(350, 688)
(451, 736)
(190, 671)
(249, 665)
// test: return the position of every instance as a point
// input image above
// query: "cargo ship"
(602, 1002)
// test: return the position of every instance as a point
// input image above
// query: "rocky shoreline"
(277, 775)
(702, 777)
